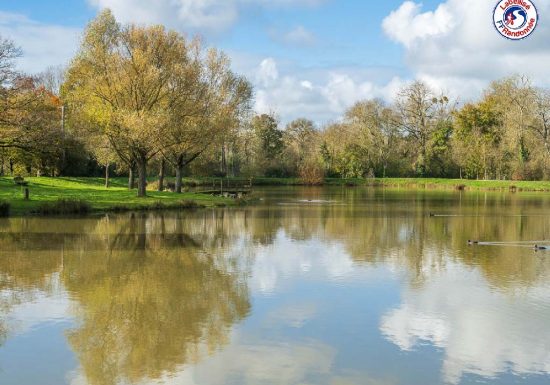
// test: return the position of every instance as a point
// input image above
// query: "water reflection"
(484, 333)
(147, 299)
(288, 292)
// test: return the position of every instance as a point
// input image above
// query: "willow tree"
(120, 81)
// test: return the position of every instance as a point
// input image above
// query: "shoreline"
(410, 183)
(52, 196)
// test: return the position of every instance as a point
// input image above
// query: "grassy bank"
(462, 184)
(413, 183)
(82, 195)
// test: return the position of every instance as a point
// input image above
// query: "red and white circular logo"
(515, 19)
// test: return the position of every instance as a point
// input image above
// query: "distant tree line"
(146, 101)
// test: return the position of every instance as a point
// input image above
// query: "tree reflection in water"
(148, 300)
(153, 293)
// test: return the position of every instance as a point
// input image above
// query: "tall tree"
(420, 112)
(477, 138)
(208, 101)
(121, 80)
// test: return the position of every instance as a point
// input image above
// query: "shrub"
(153, 186)
(312, 174)
(4, 209)
(277, 171)
(64, 207)
(190, 183)
(171, 186)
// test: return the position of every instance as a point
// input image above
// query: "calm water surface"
(313, 286)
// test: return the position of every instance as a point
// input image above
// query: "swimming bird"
(537, 247)
(473, 242)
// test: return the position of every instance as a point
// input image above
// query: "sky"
(311, 58)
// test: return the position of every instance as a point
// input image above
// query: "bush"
(154, 186)
(277, 171)
(4, 209)
(312, 174)
(64, 207)
(189, 183)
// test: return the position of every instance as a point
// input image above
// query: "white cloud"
(179, 14)
(267, 72)
(189, 14)
(299, 36)
(43, 45)
(455, 48)
(488, 333)
(417, 25)
(321, 95)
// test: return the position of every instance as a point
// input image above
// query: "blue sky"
(310, 58)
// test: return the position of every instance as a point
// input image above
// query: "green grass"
(413, 183)
(456, 184)
(44, 191)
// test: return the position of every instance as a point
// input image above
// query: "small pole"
(221, 186)
(27, 193)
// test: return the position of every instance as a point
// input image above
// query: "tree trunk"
(223, 163)
(131, 177)
(107, 176)
(161, 175)
(142, 177)
(179, 172)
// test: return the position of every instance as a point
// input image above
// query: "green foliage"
(140, 95)
(269, 136)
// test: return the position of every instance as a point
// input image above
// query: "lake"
(310, 286)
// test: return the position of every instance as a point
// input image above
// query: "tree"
(477, 139)
(540, 125)
(300, 136)
(31, 128)
(372, 125)
(52, 79)
(269, 145)
(8, 53)
(419, 114)
(514, 101)
(120, 80)
(208, 101)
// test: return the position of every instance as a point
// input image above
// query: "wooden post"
(26, 191)
(221, 186)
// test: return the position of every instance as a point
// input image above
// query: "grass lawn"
(92, 190)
